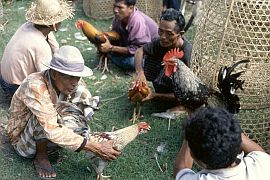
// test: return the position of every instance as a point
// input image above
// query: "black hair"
(171, 15)
(214, 137)
(128, 2)
(40, 27)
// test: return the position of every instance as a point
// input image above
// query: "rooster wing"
(95, 36)
(189, 90)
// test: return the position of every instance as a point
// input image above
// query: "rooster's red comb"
(173, 53)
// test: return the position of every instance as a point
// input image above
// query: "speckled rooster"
(138, 90)
(72, 116)
(97, 37)
(193, 93)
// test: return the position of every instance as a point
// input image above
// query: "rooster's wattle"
(192, 93)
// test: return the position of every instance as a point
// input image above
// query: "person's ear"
(53, 74)
(182, 33)
(131, 7)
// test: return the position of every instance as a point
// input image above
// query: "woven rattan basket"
(152, 8)
(103, 9)
(1, 9)
(98, 9)
(231, 30)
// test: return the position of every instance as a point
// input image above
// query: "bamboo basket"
(152, 8)
(233, 30)
(103, 9)
(1, 8)
(98, 9)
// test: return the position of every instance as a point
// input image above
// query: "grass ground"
(137, 160)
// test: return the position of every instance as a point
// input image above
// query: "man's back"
(24, 53)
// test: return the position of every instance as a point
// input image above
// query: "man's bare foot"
(43, 167)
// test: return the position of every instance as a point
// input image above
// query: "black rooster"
(192, 93)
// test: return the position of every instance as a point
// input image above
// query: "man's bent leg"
(33, 144)
(41, 161)
(124, 62)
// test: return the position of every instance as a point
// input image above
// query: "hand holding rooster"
(105, 47)
(103, 149)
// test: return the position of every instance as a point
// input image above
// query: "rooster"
(136, 93)
(122, 136)
(97, 37)
(192, 93)
(71, 115)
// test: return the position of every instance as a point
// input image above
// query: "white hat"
(68, 60)
(49, 12)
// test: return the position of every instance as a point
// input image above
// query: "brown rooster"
(71, 116)
(97, 37)
(192, 93)
(138, 90)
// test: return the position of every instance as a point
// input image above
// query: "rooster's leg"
(134, 117)
(102, 177)
(100, 61)
(139, 110)
(105, 67)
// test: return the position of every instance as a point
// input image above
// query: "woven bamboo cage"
(152, 8)
(98, 9)
(103, 9)
(1, 9)
(234, 30)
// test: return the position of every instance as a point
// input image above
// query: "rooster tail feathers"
(230, 69)
(228, 83)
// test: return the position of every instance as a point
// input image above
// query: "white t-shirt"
(254, 166)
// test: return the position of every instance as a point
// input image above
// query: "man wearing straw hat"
(34, 126)
(33, 43)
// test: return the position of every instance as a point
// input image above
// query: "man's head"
(214, 137)
(67, 67)
(122, 9)
(49, 13)
(171, 27)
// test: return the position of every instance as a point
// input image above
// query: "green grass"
(137, 160)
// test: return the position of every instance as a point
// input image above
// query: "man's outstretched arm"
(183, 159)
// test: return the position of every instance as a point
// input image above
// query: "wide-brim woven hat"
(49, 12)
(68, 60)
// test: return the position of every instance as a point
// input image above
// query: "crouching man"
(213, 139)
(34, 126)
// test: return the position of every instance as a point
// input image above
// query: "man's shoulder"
(257, 156)
(35, 79)
(186, 174)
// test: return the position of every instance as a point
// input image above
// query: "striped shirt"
(37, 96)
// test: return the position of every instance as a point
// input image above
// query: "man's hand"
(140, 77)
(103, 149)
(150, 96)
(105, 47)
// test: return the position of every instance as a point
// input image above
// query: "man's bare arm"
(183, 159)
(248, 145)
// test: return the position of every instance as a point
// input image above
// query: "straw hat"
(49, 12)
(68, 60)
